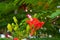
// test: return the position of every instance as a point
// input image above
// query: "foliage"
(46, 39)
(18, 30)
(55, 14)
(35, 39)
(7, 7)
(4, 39)
(44, 10)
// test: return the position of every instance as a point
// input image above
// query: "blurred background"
(45, 10)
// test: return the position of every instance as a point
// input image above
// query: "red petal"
(15, 39)
(37, 24)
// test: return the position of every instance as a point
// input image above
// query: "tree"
(45, 10)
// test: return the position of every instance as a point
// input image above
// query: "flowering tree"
(44, 10)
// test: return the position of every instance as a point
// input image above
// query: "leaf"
(16, 27)
(9, 27)
(49, 1)
(23, 21)
(53, 15)
(15, 19)
(31, 2)
(27, 28)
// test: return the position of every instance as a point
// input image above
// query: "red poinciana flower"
(15, 39)
(34, 24)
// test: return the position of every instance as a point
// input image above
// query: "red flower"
(34, 24)
(15, 39)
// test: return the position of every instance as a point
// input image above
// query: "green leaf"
(53, 15)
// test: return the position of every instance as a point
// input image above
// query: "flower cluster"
(34, 24)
